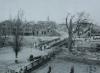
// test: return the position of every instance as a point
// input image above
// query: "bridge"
(37, 62)
(52, 43)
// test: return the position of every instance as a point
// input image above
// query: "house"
(6, 27)
(41, 28)
(27, 29)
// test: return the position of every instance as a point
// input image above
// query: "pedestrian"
(72, 70)
(49, 71)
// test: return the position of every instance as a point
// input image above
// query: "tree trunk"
(70, 42)
(16, 55)
(70, 38)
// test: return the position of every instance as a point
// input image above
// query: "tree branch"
(67, 22)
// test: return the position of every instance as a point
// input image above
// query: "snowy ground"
(29, 40)
(59, 65)
(7, 56)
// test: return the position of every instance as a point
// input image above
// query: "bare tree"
(73, 25)
(70, 32)
(82, 19)
(17, 36)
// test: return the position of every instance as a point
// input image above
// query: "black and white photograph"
(49, 36)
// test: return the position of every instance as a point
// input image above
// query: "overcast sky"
(55, 9)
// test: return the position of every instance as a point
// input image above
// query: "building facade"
(41, 28)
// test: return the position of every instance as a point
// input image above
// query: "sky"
(36, 10)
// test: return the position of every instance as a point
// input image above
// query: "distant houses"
(41, 28)
(6, 27)
(90, 39)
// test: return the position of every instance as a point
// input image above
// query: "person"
(72, 70)
(49, 71)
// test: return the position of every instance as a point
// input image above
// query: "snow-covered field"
(29, 40)
(7, 56)
(59, 65)
(65, 66)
